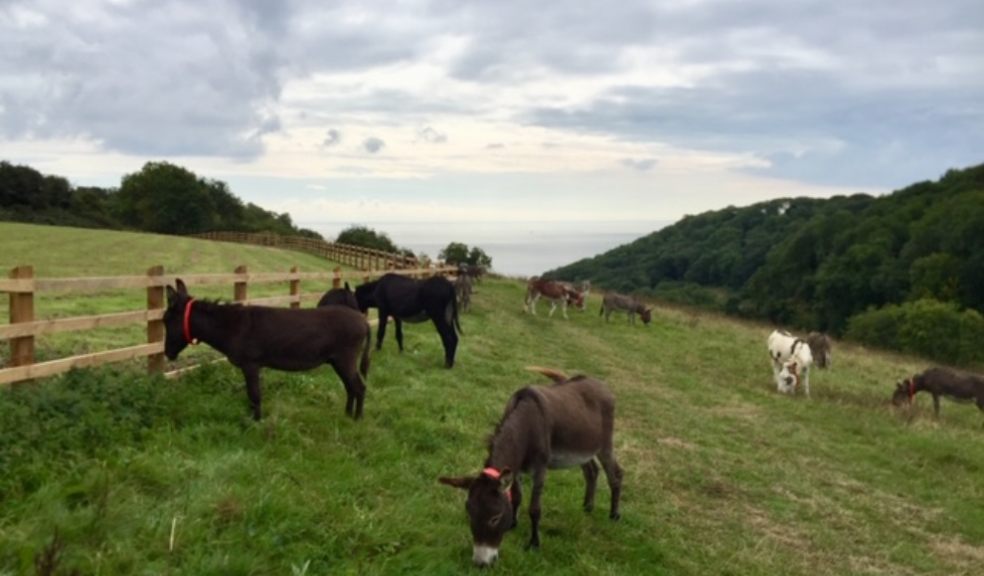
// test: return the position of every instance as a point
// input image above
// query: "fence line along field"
(113, 471)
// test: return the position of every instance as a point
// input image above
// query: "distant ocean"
(516, 248)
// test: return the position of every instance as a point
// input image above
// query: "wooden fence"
(22, 287)
(354, 256)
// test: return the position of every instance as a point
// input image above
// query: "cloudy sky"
(501, 109)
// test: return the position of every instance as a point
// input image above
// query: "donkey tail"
(556, 375)
(454, 313)
(364, 363)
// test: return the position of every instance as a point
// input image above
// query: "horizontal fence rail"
(22, 287)
(347, 254)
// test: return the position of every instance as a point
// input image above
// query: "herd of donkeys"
(568, 423)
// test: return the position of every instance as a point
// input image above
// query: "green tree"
(358, 235)
(165, 198)
(478, 257)
(454, 253)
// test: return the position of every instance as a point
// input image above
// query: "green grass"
(722, 475)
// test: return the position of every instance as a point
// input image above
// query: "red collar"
(912, 390)
(187, 323)
(495, 474)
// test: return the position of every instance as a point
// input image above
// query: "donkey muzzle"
(483, 555)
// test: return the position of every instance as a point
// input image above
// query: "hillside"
(131, 474)
(815, 264)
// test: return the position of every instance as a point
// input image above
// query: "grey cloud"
(640, 164)
(332, 138)
(876, 92)
(373, 144)
(160, 81)
(810, 126)
(429, 134)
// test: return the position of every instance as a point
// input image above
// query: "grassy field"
(123, 474)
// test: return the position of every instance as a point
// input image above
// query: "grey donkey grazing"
(613, 301)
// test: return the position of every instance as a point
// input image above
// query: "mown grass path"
(723, 476)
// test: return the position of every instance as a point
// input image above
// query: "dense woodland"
(161, 197)
(903, 271)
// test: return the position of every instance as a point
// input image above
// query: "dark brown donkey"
(255, 337)
(960, 386)
(570, 423)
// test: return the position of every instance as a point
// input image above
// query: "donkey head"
(178, 302)
(490, 510)
(365, 296)
(789, 376)
(903, 392)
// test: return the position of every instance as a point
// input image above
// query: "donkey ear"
(463, 482)
(505, 479)
(172, 295)
(347, 288)
(182, 289)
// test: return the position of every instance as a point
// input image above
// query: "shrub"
(936, 330)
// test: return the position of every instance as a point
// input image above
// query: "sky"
(499, 110)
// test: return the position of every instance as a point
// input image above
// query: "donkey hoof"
(533, 546)
(588, 508)
(615, 516)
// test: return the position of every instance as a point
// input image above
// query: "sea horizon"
(517, 248)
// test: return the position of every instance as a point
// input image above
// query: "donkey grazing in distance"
(463, 290)
(255, 337)
(409, 300)
(613, 301)
(959, 386)
(556, 292)
(791, 360)
(570, 423)
(820, 348)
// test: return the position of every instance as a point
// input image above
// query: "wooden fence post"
(22, 310)
(336, 279)
(239, 288)
(155, 328)
(295, 289)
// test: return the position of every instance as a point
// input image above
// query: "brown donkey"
(255, 337)
(570, 423)
(960, 386)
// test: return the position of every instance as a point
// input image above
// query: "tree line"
(168, 199)
(904, 271)
(161, 197)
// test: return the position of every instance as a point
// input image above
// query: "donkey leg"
(252, 375)
(517, 499)
(399, 332)
(449, 339)
(613, 472)
(383, 318)
(539, 475)
(590, 470)
(936, 405)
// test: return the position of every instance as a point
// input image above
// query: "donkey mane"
(518, 399)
